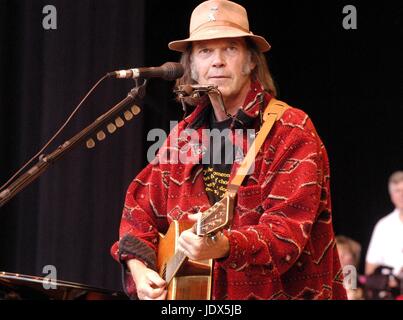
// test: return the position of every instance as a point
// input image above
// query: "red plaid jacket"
(282, 242)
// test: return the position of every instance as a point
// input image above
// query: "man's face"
(396, 194)
(222, 62)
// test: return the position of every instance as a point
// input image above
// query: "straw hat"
(216, 19)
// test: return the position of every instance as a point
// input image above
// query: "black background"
(348, 81)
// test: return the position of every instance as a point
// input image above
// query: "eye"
(232, 49)
(204, 51)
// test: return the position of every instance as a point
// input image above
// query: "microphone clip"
(195, 91)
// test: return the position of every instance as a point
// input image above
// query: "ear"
(252, 65)
(251, 62)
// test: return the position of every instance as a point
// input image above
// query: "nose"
(218, 59)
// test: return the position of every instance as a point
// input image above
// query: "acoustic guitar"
(188, 279)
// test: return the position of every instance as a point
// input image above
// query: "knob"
(111, 128)
(90, 144)
(101, 135)
(119, 122)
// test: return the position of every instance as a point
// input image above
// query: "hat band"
(218, 23)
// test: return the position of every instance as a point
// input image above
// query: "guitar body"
(193, 279)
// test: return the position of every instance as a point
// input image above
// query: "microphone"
(168, 71)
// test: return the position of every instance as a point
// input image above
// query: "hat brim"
(219, 33)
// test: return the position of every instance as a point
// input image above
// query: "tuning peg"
(128, 115)
(119, 122)
(111, 128)
(101, 135)
(136, 110)
(90, 144)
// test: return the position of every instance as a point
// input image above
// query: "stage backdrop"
(348, 81)
(70, 217)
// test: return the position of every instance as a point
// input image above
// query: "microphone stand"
(46, 160)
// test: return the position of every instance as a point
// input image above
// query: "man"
(386, 245)
(281, 243)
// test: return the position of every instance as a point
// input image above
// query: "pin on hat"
(217, 19)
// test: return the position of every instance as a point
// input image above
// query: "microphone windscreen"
(172, 70)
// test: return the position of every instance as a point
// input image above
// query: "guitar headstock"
(215, 218)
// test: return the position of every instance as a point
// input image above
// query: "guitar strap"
(272, 113)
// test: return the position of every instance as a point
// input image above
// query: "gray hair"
(396, 177)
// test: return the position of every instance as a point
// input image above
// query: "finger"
(187, 242)
(148, 292)
(208, 241)
(191, 244)
(188, 251)
(194, 217)
(181, 247)
(183, 238)
(189, 237)
(155, 279)
(156, 293)
(160, 297)
(188, 254)
(183, 241)
(142, 293)
(163, 296)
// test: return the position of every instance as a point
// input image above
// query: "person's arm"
(374, 257)
(140, 225)
(143, 218)
(295, 195)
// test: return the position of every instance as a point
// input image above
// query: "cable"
(55, 135)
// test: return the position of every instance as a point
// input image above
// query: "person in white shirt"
(386, 245)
